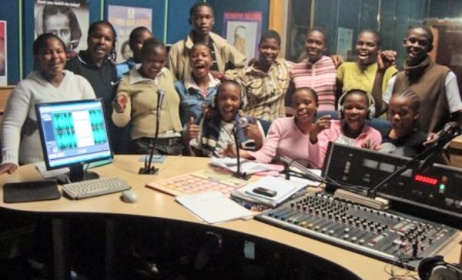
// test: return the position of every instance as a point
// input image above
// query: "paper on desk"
(213, 207)
(41, 167)
(247, 166)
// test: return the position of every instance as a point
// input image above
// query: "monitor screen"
(73, 133)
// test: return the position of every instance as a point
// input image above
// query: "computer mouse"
(129, 196)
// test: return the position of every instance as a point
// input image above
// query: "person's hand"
(120, 103)
(431, 139)
(218, 75)
(386, 59)
(337, 59)
(368, 145)
(230, 151)
(322, 123)
(8, 168)
(192, 130)
(251, 131)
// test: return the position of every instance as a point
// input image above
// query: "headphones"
(434, 268)
(370, 113)
(228, 82)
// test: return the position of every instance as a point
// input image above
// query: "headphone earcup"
(427, 265)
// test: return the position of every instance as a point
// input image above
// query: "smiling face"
(355, 111)
(304, 105)
(51, 58)
(315, 45)
(202, 20)
(201, 61)
(100, 43)
(228, 101)
(269, 51)
(402, 115)
(152, 62)
(417, 44)
(367, 48)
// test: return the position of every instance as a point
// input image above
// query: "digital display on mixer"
(426, 179)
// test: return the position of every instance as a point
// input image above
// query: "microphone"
(449, 131)
(238, 174)
(428, 156)
(148, 168)
(248, 144)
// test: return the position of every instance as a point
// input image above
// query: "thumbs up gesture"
(120, 103)
(192, 130)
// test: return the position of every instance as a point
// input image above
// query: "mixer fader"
(384, 235)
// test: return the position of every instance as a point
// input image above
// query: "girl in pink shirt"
(294, 137)
(355, 107)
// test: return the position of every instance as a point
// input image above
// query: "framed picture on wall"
(125, 19)
(243, 31)
(69, 20)
(3, 54)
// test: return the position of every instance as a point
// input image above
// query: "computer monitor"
(73, 133)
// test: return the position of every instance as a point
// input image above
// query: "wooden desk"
(158, 205)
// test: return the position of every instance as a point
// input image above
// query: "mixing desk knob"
(354, 239)
(346, 236)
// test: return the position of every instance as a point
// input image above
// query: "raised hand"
(120, 103)
(386, 59)
(192, 130)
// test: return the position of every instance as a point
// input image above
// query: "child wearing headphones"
(215, 133)
(294, 137)
(403, 138)
(355, 106)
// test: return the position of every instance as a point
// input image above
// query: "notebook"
(31, 191)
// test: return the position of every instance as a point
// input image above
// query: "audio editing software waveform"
(384, 235)
(63, 125)
(97, 126)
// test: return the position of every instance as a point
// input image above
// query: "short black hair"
(376, 34)
(308, 89)
(196, 6)
(150, 44)
(424, 27)
(320, 30)
(113, 54)
(136, 31)
(270, 34)
(408, 93)
(199, 44)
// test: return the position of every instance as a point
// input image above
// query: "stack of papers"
(277, 189)
(214, 207)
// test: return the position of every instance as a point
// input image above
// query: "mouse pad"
(31, 191)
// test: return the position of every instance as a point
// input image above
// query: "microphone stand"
(148, 168)
(238, 174)
(428, 155)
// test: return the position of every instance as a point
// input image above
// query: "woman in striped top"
(317, 71)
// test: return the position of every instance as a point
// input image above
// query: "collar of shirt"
(189, 43)
(190, 83)
(135, 76)
(252, 68)
(84, 57)
(309, 64)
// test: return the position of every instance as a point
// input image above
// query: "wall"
(390, 17)
(170, 23)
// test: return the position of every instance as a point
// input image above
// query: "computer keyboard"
(95, 187)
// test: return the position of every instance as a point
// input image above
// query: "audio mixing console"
(384, 235)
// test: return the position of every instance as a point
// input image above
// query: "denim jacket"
(192, 101)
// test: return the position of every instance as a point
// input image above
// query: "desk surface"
(158, 205)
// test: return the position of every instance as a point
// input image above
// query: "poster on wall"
(125, 19)
(68, 19)
(3, 56)
(345, 42)
(243, 31)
